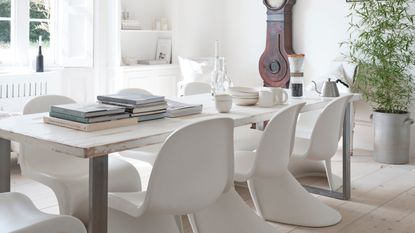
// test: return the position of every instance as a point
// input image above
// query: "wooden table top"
(30, 129)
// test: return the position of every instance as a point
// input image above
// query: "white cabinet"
(158, 79)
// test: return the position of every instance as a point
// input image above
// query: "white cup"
(223, 103)
(281, 96)
(266, 98)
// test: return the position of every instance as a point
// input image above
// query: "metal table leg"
(4, 165)
(98, 195)
(346, 194)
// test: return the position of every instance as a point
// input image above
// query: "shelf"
(145, 31)
(149, 67)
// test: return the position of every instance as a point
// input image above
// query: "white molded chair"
(146, 153)
(276, 194)
(134, 91)
(189, 174)
(68, 176)
(19, 215)
(314, 149)
(229, 214)
(195, 88)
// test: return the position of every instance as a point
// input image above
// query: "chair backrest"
(327, 130)
(277, 142)
(195, 88)
(134, 91)
(43, 103)
(38, 163)
(192, 169)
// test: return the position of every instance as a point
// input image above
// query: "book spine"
(69, 117)
(67, 111)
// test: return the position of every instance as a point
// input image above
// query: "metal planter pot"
(392, 137)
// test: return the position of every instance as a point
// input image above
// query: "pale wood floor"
(383, 197)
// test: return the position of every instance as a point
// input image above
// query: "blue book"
(151, 117)
(132, 99)
(87, 109)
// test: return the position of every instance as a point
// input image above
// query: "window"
(40, 28)
(22, 22)
(65, 26)
(5, 30)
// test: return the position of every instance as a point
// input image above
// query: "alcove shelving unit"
(141, 44)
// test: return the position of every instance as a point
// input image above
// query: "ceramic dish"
(243, 91)
(245, 102)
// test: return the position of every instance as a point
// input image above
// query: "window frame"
(19, 34)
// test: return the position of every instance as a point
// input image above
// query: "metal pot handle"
(409, 121)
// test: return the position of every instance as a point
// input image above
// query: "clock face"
(275, 4)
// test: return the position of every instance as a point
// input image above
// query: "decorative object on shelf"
(163, 51)
(273, 64)
(164, 24)
(131, 24)
(385, 57)
(296, 62)
(157, 24)
(39, 57)
(125, 15)
(129, 61)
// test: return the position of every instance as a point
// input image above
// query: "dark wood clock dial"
(273, 64)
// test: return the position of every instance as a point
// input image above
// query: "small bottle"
(39, 57)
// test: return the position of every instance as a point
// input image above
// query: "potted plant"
(382, 43)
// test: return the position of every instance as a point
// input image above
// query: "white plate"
(243, 91)
(245, 97)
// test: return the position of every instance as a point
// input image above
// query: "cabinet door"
(159, 82)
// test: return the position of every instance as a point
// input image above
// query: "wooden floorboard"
(383, 197)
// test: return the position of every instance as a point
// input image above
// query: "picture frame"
(163, 51)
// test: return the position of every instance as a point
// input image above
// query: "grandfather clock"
(273, 64)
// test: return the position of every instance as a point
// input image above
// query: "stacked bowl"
(244, 96)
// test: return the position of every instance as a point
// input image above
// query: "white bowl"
(223, 106)
(246, 96)
(245, 102)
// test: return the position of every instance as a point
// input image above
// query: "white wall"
(319, 27)
(196, 26)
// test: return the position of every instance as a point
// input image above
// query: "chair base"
(282, 199)
(147, 223)
(304, 167)
(229, 214)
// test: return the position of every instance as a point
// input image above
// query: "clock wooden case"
(273, 64)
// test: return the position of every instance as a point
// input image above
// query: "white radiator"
(16, 90)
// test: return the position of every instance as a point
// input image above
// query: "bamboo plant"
(382, 43)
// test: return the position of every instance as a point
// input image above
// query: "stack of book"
(139, 106)
(89, 117)
(178, 109)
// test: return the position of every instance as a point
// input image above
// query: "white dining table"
(97, 146)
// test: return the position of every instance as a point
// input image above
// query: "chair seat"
(147, 153)
(130, 203)
(244, 164)
(18, 214)
(246, 139)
